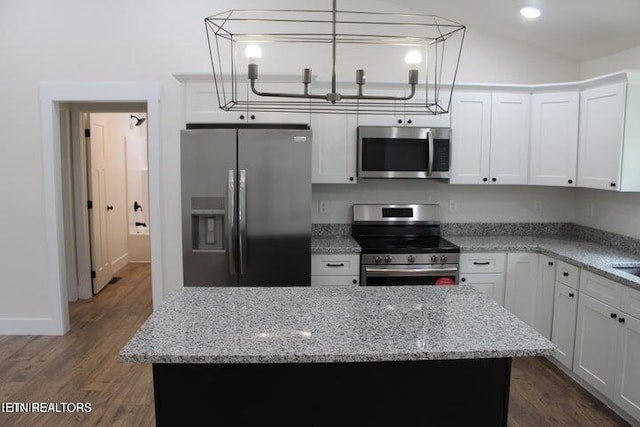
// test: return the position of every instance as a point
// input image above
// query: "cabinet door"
(544, 295)
(491, 284)
(297, 117)
(334, 143)
(394, 110)
(627, 385)
(470, 137)
(419, 104)
(600, 145)
(341, 281)
(510, 118)
(596, 340)
(554, 139)
(565, 303)
(521, 283)
(202, 103)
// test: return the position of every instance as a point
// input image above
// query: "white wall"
(626, 60)
(475, 203)
(145, 40)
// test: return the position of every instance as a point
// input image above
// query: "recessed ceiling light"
(530, 12)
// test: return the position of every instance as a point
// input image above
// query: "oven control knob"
(387, 259)
(443, 259)
(378, 259)
(434, 258)
(412, 259)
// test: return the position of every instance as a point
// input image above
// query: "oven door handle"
(409, 272)
(430, 161)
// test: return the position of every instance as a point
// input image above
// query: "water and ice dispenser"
(207, 221)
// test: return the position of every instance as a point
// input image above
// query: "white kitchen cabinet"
(490, 137)
(609, 144)
(544, 295)
(335, 270)
(607, 353)
(554, 138)
(521, 285)
(510, 119)
(334, 144)
(394, 110)
(409, 108)
(202, 104)
(596, 339)
(565, 305)
(470, 137)
(485, 272)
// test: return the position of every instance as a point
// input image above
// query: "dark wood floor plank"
(83, 366)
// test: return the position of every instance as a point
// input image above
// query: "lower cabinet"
(565, 305)
(607, 350)
(543, 316)
(521, 285)
(335, 270)
(485, 272)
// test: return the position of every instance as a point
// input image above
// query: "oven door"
(399, 275)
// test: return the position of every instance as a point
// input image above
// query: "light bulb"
(253, 52)
(413, 57)
(530, 12)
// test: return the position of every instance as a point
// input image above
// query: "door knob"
(109, 207)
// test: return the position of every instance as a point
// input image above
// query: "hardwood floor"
(83, 366)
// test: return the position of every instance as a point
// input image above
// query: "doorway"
(117, 193)
(54, 98)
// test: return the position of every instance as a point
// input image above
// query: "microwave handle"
(430, 161)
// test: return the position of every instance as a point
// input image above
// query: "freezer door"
(274, 200)
(208, 168)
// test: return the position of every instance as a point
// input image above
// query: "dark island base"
(422, 393)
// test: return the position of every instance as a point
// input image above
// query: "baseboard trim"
(120, 262)
(26, 326)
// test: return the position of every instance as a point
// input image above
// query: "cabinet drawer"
(317, 281)
(335, 265)
(567, 274)
(602, 289)
(631, 301)
(482, 262)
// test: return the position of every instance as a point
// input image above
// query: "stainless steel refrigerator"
(246, 206)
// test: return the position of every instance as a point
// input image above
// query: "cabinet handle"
(350, 178)
(621, 320)
(253, 117)
(570, 181)
(336, 265)
(109, 207)
(354, 281)
(550, 262)
(613, 184)
(613, 315)
(481, 263)
(409, 121)
(485, 179)
(399, 121)
(462, 279)
(241, 116)
(571, 295)
(493, 179)
(565, 274)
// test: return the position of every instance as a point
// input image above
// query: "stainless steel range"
(401, 245)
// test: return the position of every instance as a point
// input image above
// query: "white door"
(96, 151)
(596, 340)
(565, 303)
(470, 137)
(491, 284)
(554, 138)
(602, 112)
(627, 390)
(334, 144)
(520, 289)
(510, 119)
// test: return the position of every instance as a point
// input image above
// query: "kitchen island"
(409, 355)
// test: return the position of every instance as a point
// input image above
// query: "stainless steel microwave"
(404, 152)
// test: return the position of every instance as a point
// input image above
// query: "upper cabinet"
(609, 144)
(334, 143)
(554, 138)
(202, 106)
(490, 137)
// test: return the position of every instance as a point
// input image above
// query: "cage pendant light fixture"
(318, 60)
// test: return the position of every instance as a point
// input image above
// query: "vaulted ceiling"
(576, 29)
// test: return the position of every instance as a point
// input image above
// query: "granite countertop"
(318, 325)
(334, 245)
(598, 259)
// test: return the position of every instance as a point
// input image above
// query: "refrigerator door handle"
(242, 222)
(230, 214)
